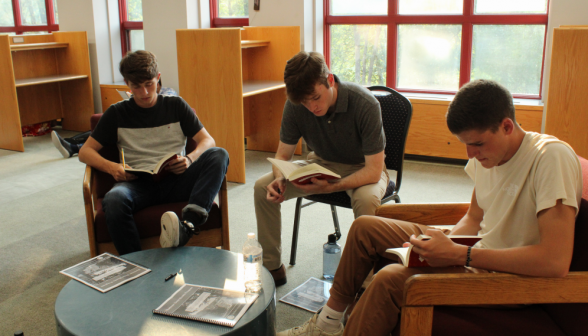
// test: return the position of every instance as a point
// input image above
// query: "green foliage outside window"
(233, 8)
(358, 53)
(6, 16)
(33, 12)
(135, 10)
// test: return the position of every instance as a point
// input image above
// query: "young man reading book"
(147, 127)
(527, 193)
(342, 123)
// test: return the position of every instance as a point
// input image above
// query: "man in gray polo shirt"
(342, 123)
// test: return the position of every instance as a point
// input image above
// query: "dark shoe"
(174, 233)
(279, 276)
(63, 146)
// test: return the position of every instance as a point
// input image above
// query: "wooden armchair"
(437, 304)
(214, 233)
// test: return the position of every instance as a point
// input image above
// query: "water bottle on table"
(252, 259)
(331, 257)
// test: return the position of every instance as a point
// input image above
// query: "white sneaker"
(310, 329)
(174, 233)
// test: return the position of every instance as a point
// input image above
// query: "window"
(229, 13)
(436, 46)
(131, 25)
(28, 16)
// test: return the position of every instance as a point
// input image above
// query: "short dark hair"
(302, 73)
(480, 105)
(139, 66)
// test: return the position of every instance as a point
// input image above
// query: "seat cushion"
(341, 198)
(149, 220)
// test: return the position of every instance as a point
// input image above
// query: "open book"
(207, 304)
(413, 259)
(303, 175)
(158, 171)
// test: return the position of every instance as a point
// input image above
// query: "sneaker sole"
(58, 145)
(169, 230)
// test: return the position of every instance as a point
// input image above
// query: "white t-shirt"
(542, 171)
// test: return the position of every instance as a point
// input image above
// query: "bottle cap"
(251, 235)
(18, 333)
(332, 238)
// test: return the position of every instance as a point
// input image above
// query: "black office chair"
(396, 115)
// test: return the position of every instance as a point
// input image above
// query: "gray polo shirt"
(349, 131)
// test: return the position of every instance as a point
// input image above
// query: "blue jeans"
(199, 184)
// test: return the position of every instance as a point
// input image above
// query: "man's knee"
(260, 188)
(362, 226)
(218, 155)
(366, 204)
(392, 277)
(117, 197)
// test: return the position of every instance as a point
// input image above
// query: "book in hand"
(207, 304)
(105, 272)
(311, 295)
(158, 172)
(409, 258)
(303, 174)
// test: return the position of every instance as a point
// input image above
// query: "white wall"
(96, 18)
(160, 21)
(288, 13)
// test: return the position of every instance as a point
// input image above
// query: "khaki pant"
(364, 201)
(377, 312)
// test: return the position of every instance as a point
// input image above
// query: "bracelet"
(468, 259)
(187, 157)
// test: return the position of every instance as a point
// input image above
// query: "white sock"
(330, 323)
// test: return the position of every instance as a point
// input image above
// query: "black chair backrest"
(396, 116)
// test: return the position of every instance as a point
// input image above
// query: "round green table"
(127, 310)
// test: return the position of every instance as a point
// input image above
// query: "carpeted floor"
(43, 228)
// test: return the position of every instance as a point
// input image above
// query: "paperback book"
(303, 174)
(409, 258)
(105, 272)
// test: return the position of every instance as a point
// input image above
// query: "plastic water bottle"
(331, 257)
(252, 259)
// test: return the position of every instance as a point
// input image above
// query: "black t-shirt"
(148, 134)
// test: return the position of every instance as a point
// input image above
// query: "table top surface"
(128, 309)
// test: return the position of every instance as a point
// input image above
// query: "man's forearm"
(95, 160)
(360, 178)
(466, 226)
(201, 147)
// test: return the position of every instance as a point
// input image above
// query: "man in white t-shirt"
(528, 188)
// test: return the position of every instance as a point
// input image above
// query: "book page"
(311, 169)
(285, 167)
(400, 252)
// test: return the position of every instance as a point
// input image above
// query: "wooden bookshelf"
(44, 78)
(566, 116)
(233, 78)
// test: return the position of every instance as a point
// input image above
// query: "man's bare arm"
(276, 189)
(90, 156)
(203, 142)
(551, 257)
(470, 223)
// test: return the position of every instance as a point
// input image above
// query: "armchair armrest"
(424, 291)
(427, 214)
(88, 191)
(224, 208)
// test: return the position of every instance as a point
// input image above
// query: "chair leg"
(397, 199)
(336, 221)
(295, 233)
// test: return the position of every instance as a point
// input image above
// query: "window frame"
(218, 22)
(126, 26)
(467, 20)
(19, 28)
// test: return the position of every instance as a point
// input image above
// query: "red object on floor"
(36, 129)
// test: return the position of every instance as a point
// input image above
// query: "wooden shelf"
(37, 46)
(254, 43)
(48, 79)
(254, 87)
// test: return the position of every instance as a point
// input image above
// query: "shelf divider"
(37, 46)
(48, 79)
(254, 43)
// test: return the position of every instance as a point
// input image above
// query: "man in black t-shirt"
(146, 128)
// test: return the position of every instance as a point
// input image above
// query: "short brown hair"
(302, 73)
(480, 105)
(139, 66)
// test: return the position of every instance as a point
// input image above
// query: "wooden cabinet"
(109, 94)
(44, 77)
(233, 78)
(429, 136)
(567, 98)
